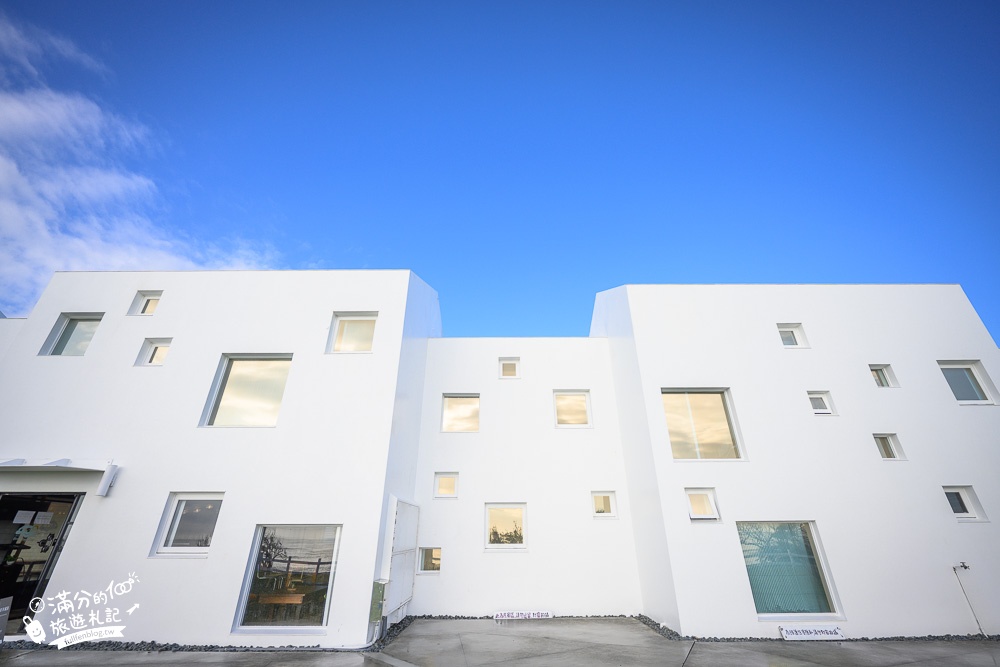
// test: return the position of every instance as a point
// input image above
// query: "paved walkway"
(571, 641)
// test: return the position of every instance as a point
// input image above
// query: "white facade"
(404, 455)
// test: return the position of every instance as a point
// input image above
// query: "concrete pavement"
(580, 642)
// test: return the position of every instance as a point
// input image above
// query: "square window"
(967, 381)
(352, 332)
(792, 335)
(188, 524)
(572, 408)
(699, 425)
(430, 559)
(888, 446)
(964, 503)
(604, 504)
(786, 576)
(460, 413)
(882, 374)
(290, 576)
(153, 352)
(510, 367)
(505, 525)
(249, 391)
(145, 302)
(701, 504)
(71, 335)
(446, 485)
(821, 402)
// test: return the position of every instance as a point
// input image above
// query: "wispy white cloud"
(66, 203)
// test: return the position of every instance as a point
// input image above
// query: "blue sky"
(519, 156)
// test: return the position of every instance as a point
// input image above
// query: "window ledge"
(987, 403)
(190, 555)
(277, 630)
(805, 618)
(971, 519)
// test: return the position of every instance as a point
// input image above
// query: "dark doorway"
(33, 529)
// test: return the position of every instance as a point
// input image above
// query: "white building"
(256, 451)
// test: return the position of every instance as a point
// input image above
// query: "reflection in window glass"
(963, 384)
(701, 505)
(158, 355)
(354, 335)
(76, 337)
(291, 574)
(571, 409)
(788, 338)
(698, 424)
(602, 504)
(149, 306)
(430, 560)
(460, 414)
(783, 569)
(445, 485)
(957, 502)
(884, 444)
(193, 523)
(505, 525)
(251, 392)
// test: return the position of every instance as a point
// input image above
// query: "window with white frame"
(71, 335)
(188, 524)
(699, 424)
(702, 505)
(821, 403)
(572, 408)
(430, 559)
(510, 368)
(784, 568)
(964, 503)
(145, 302)
(446, 485)
(153, 352)
(967, 380)
(888, 446)
(248, 390)
(792, 335)
(460, 413)
(604, 505)
(290, 576)
(352, 332)
(883, 375)
(506, 525)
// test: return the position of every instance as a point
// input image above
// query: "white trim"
(168, 526)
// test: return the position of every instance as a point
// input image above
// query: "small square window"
(145, 302)
(460, 413)
(792, 335)
(352, 332)
(188, 524)
(446, 485)
(510, 368)
(699, 424)
(572, 408)
(505, 525)
(604, 504)
(701, 504)
(888, 446)
(882, 373)
(71, 335)
(249, 390)
(821, 403)
(430, 559)
(153, 352)
(967, 380)
(964, 503)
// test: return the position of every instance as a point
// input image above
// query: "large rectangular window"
(699, 425)
(72, 334)
(249, 392)
(460, 413)
(291, 574)
(784, 571)
(505, 527)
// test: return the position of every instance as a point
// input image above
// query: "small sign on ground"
(811, 632)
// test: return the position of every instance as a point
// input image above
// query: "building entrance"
(33, 529)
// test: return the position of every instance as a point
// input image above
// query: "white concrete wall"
(324, 462)
(888, 536)
(574, 563)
